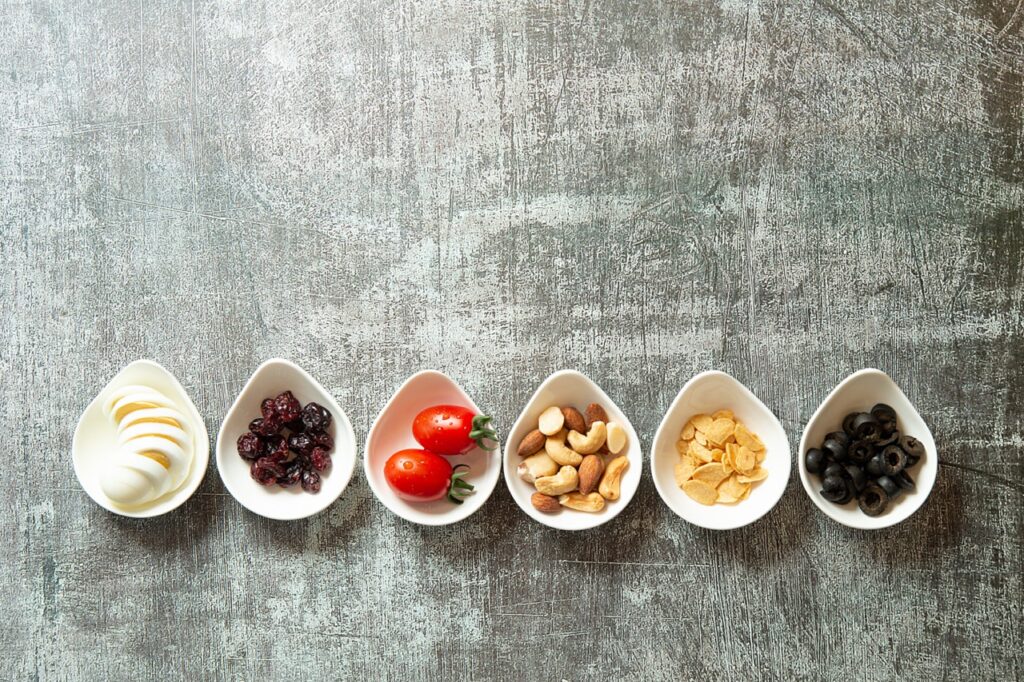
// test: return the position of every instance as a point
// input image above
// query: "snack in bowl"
(719, 459)
(288, 444)
(154, 446)
(574, 459)
(867, 460)
(424, 475)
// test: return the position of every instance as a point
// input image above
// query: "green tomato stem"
(482, 431)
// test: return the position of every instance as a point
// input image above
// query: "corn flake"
(700, 491)
(721, 431)
(702, 422)
(684, 471)
(712, 474)
(699, 451)
(719, 459)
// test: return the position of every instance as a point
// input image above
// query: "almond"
(574, 420)
(532, 443)
(591, 469)
(545, 503)
(596, 413)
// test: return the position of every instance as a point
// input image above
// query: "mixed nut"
(867, 460)
(574, 460)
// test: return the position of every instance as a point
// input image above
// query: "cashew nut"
(580, 502)
(536, 466)
(564, 481)
(550, 421)
(612, 479)
(555, 447)
(590, 443)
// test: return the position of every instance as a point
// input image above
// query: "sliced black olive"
(873, 500)
(883, 413)
(848, 422)
(850, 493)
(834, 470)
(840, 436)
(833, 488)
(904, 480)
(835, 450)
(866, 427)
(856, 476)
(861, 451)
(913, 447)
(874, 465)
(889, 486)
(814, 460)
(894, 460)
(888, 439)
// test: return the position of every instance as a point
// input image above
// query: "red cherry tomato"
(418, 475)
(452, 430)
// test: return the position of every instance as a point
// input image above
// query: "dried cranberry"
(316, 417)
(295, 426)
(301, 443)
(323, 440)
(275, 468)
(262, 474)
(256, 425)
(274, 443)
(268, 426)
(287, 406)
(320, 459)
(311, 481)
(281, 456)
(292, 475)
(249, 446)
(267, 408)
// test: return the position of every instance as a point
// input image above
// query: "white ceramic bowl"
(392, 431)
(706, 393)
(859, 392)
(274, 502)
(570, 388)
(96, 435)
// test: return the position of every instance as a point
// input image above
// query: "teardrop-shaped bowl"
(96, 437)
(270, 379)
(569, 388)
(703, 394)
(392, 431)
(858, 393)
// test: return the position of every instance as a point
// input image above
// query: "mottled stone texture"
(783, 189)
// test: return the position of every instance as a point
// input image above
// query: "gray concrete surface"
(786, 190)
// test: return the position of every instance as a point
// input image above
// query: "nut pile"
(574, 461)
(719, 459)
(867, 460)
(288, 444)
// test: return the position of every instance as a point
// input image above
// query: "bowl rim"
(866, 522)
(634, 453)
(785, 460)
(343, 468)
(440, 519)
(197, 469)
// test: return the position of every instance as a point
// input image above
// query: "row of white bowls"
(391, 431)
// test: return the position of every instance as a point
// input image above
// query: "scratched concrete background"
(784, 189)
